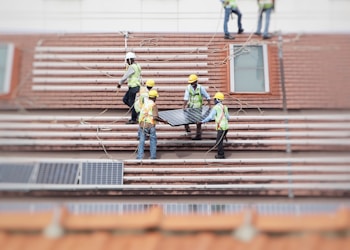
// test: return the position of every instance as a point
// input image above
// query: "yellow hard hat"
(192, 78)
(219, 96)
(153, 93)
(150, 83)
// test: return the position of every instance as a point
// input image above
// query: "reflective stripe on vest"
(134, 79)
(146, 113)
(195, 97)
(220, 117)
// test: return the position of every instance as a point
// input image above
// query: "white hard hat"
(130, 55)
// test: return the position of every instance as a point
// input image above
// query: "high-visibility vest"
(265, 4)
(220, 117)
(195, 97)
(135, 79)
(230, 3)
(146, 112)
(140, 99)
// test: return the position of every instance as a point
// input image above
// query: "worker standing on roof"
(147, 125)
(265, 6)
(221, 115)
(133, 77)
(193, 98)
(230, 7)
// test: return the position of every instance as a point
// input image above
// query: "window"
(6, 67)
(249, 69)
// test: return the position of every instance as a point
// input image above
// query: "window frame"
(265, 65)
(11, 72)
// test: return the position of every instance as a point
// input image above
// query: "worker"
(265, 6)
(221, 115)
(148, 118)
(230, 7)
(132, 76)
(142, 95)
(193, 98)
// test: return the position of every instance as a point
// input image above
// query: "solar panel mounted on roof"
(104, 173)
(15, 172)
(179, 117)
(57, 173)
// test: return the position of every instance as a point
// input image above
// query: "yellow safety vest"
(135, 79)
(230, 3)
(140, 99)
(195, 97)
(220, 117)
(146, 113)
(265, 4)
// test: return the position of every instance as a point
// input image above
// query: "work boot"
(219, 157)
(131, 122)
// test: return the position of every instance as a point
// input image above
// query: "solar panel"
(57, 173)
(179, 117)
(15, 172)
(104, 173)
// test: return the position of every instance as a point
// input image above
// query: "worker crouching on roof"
(193, 98)
(221, 115)
(148, 118)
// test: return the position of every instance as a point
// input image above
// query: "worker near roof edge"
(230, 7)
(265, 6)
(193, 98)
(133, 77)
(148, 118)
(221, 115)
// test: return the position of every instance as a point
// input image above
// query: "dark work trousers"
(129, 99)
(220, 136)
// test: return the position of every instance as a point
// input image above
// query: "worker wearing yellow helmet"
(220, 114)
(143, 94)
(148, 118)
(193, 98)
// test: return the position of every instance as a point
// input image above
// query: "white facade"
(312, 16)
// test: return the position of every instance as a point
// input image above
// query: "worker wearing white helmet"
(133, 77)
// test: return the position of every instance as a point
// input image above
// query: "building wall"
(167, 16)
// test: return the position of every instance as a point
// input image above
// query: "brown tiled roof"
(153, 230)
(314, 66)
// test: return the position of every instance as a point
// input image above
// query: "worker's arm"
(126, 75)
(186, 98)
(206, 95)
(210, 116)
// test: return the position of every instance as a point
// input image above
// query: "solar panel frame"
(57, 173)
(16, 172)
(102, 173)
(178, 117)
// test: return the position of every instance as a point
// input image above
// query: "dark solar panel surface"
(15, 172)
(104, 173)
(57, 173)
(179, 117)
